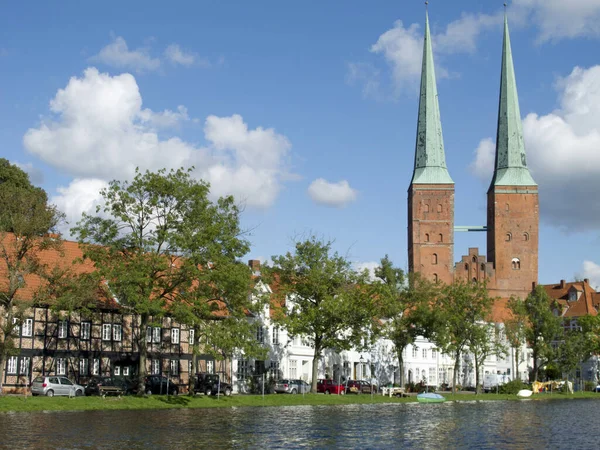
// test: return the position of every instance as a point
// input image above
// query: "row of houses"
(81, 345)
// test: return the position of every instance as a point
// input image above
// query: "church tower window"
(434, 258)
(516, 264)
(508, 237)
(426, 207)
(441, 237)
(439, 208)
(426, 237)
(525, 236)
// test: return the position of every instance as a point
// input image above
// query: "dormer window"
(572, 295)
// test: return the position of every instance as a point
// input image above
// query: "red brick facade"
(431, 231)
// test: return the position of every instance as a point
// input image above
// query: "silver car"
(292, 387)
(52, 386)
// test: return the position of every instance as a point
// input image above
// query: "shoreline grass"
(32, 404)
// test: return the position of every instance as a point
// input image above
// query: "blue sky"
(306, 111)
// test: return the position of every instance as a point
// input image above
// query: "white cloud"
(562, 153)
(559, 19)
(82, 195)
(402, 49)
(99, 130)
(117, 54)
(177, 56)
(591, 271)
(331, 194)
(368, 265)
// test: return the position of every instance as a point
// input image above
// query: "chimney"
(254, 265)
(563, 284)
(586, 280)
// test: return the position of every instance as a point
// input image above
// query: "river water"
(478, 424)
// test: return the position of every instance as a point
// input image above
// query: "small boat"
(430, 397)
(524, 393)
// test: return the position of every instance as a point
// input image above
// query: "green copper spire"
(511, 163)
(430, 161)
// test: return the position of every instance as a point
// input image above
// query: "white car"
(52, 386)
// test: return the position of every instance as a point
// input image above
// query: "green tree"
(404, 306)
(327, 302)
(515, 328)
(159, 242)
(543, 328)
(572, 350)
(460, 311)
(484, 340)
(26, 219)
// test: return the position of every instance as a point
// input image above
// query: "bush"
(589, 386)
(512, 387)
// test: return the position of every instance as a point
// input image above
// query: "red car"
(359, 387)
(330, 387)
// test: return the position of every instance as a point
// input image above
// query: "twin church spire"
(430, 160)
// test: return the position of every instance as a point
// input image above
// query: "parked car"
(109, 386)
(330, 387)
(52, 386)
(292, 387)
(158, 385)
(210, 384)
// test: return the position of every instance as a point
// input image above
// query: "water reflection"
(451, 425)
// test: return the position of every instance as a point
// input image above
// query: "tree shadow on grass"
(180, 400)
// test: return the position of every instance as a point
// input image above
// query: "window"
(62, 329)
(149, 335)
(175, 336)
(126, 371)
(525, 236)
(293, 368)
(274, 370)
(467, 267)
(84, 367)
(424, 353)
(11, 365)
(117, 371)
(210, 366)
(24, 366)
(117, 332)
(507, 207)
(85, 332)
(106, 330)
(431, 376)
(435, 278)
(191, 336)
(242, 369)
(516, 264)
(27, 328)
(474, 280)
(426, 208)
(441, 237)
(275, 335)
(61, 366)
(95, 366)
(426, 237)
(508, 237)
(174, 367)
(474, 259)
(434, 353)
(155, 367)
(156, 332)
(260, 334)
(434, 258)
(439, 208)
(483, 267)
(415, 351)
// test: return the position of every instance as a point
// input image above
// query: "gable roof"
(587, 303)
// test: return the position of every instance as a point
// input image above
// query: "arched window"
(435, 278)
(516, 264)
(507, 207)
(426, 237)
(474, 259)
(508, 237)
(482, 267)
(439, 208)
(434, 258)
(474, 280)
(441, 237)
(467, 267)
(426, 207)
(525, 236)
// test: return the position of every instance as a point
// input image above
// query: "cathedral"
(510, 267)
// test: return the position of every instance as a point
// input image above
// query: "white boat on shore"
(524, 393)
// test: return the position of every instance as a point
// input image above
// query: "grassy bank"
(10, 403)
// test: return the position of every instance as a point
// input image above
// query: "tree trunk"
(401, 367)
(535, 366)
(143, 351)
(315, 367)
(517, 374)
(456, 364)
(477, 387)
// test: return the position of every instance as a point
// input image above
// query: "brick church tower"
(513, 207)
(431, 191)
